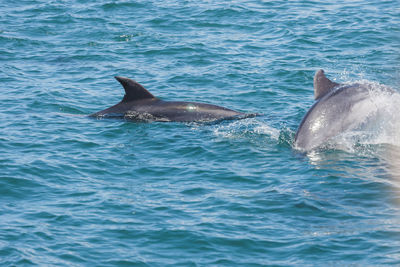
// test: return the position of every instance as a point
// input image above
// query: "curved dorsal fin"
(322, 85)
(133, 90)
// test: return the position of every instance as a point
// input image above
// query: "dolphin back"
(337, 108)
(138, 104)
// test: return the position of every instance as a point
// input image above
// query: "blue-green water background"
(76, 191)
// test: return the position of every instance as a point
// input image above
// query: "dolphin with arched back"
(138, 104)
(338, 108)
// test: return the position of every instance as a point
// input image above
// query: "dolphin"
(338, 108)
(138, 104)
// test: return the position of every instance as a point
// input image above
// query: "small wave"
(120, 5)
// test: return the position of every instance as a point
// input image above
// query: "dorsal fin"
(133, 90)
(322, 85)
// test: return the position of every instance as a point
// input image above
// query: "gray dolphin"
(338, 107)
(138, 104)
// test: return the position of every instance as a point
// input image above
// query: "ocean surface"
(78, 191)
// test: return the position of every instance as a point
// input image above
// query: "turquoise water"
(76, 191)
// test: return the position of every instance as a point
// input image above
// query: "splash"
(378, 120)
(246, 128)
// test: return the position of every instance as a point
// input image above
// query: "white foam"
(246, 127)
(377, 118)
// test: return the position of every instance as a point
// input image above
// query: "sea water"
(77, 191)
